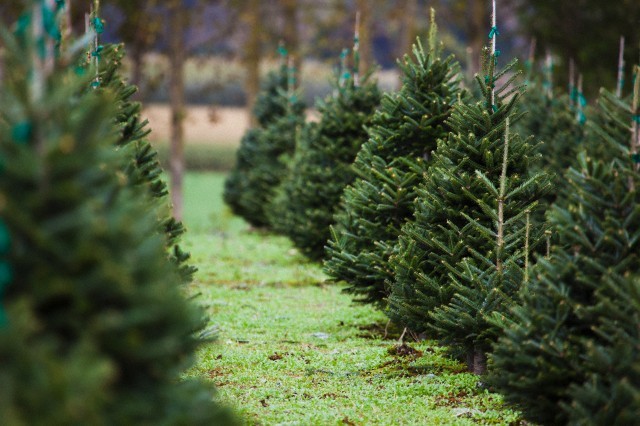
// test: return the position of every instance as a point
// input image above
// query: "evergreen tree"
(265, 150)
(563, 358)
(455, 262)
(389, 168)
(97, 330)
(552, 119)
(322, 165)
(144, 167)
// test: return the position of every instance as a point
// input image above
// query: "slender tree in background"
(252, 55)
(564, 25)
(551, 119)
(139, 31)
(564, 357)
(143, 167)
(97, 329)
(176, 36)
(290, 32)
(322, 164)
(265, 150)
(389, 167)
(460, 258)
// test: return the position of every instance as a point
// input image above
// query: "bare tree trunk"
(252, 56)
(177, 18)
(290, 32)
(478, 28)
(366, 49)
(409, 30)
(137, 60)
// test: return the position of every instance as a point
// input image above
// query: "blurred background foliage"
(247, 32)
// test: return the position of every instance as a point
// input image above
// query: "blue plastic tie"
(21, 132)
(98, 25)
(494, 32)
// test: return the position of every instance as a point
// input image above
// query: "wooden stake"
(635, 123)
(291, 80)
(526, 247)
(493, 51)
(620, 69)
(549, 75)
(356, 52)
(572, 82)
(503, 188)
(37, 79)
(579, 107)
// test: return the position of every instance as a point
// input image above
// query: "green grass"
(218, 158)
(293, 350)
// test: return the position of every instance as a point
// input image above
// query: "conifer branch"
(620, 82)
(433, 33)
(503, 187)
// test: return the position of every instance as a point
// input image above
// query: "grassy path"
(294, 351)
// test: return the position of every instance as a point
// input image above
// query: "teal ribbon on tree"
(282, 51)
(98, 52)
(346, 75)
(582, 118)
(6, 276)
(22, 132)
(494, 32)
(60, 4)
(98, 25)
(582, 100)
(636, 118)
(636, 158)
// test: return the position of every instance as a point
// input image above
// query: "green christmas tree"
(322, 165)
(455, 262)
(144, 167)
(552, 118)
(564, 356)
(96, 331)
(389, 168)
(266, 149)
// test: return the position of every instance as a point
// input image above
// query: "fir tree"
(97, 330)
(389, 167)
(455, 262)
(322, 165)
(564, 356)
(144, 167)
(265, 150)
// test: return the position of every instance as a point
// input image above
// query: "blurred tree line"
(584, 30)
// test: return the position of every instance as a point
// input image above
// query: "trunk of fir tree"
(137, 61)
(477, 23)
(177, 18)
(252, 56)
(409, 30)
(290, 33)
(366, 52)
(479, 361)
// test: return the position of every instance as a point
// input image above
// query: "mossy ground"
(293, 350)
